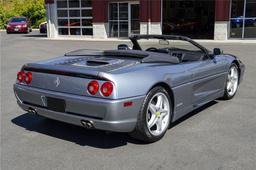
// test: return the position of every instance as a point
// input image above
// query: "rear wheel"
(232, 82)
(154, 117)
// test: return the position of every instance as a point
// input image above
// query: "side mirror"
(123, 47)
(217, 51)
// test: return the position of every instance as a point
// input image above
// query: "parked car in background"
(18, 25)
(43, 27)
(239, 21)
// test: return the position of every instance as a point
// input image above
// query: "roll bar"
(136, 45)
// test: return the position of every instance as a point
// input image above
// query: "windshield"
(18, 20)
(146, 44)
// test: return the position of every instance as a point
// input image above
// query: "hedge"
(34, 10)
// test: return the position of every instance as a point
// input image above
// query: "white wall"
(51, 15)
(221, 30)
(150, 28)
(100, 30)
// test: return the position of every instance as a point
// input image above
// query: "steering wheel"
(152, 49)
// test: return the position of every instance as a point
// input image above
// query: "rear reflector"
(93, 87)
(106, 89)
(127, 104)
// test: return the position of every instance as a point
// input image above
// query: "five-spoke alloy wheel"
(158, 114)
(154, 117)
(232, 82)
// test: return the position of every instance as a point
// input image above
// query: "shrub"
(34, 10)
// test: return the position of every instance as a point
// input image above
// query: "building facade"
(199, 19)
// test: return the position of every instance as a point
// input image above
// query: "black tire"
(226, 95)
(141, 131)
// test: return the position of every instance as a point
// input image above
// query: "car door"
(207, 79)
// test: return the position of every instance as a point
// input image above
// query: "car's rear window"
(18, 20)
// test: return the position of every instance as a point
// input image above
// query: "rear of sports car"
(79, 91)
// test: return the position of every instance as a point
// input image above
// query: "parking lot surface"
(221, 135)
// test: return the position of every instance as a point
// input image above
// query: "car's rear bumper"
(110, 115)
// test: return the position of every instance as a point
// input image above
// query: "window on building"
(192, 18)
(250, 8)
(118, 20)
(243, 19)
(74, 17)
(124, 19)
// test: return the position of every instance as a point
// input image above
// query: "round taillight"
(93, 87)
(106, 89)
(28, 77)
(21, 76)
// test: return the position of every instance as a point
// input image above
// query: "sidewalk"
(73, 38)
(246, 41)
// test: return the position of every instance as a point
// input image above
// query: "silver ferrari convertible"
(139, 88)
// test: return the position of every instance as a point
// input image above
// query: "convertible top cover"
(145, 56)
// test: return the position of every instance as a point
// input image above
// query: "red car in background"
(18, 25)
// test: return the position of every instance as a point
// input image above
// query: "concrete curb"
(227, 41)
(88, 39)
(127, 40)
(245, 41)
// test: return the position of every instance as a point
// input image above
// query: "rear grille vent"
(96, 63)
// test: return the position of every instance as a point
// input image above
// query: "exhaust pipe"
(87, 124)
(33, 111)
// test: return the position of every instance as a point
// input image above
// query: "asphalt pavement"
(221, 135)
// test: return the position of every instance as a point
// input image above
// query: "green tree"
(34, 10)
(6, 11)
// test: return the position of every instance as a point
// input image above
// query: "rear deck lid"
(72, 74)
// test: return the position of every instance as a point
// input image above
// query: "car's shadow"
(82, 136)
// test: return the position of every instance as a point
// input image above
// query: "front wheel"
(232, 82)
(154, 116)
